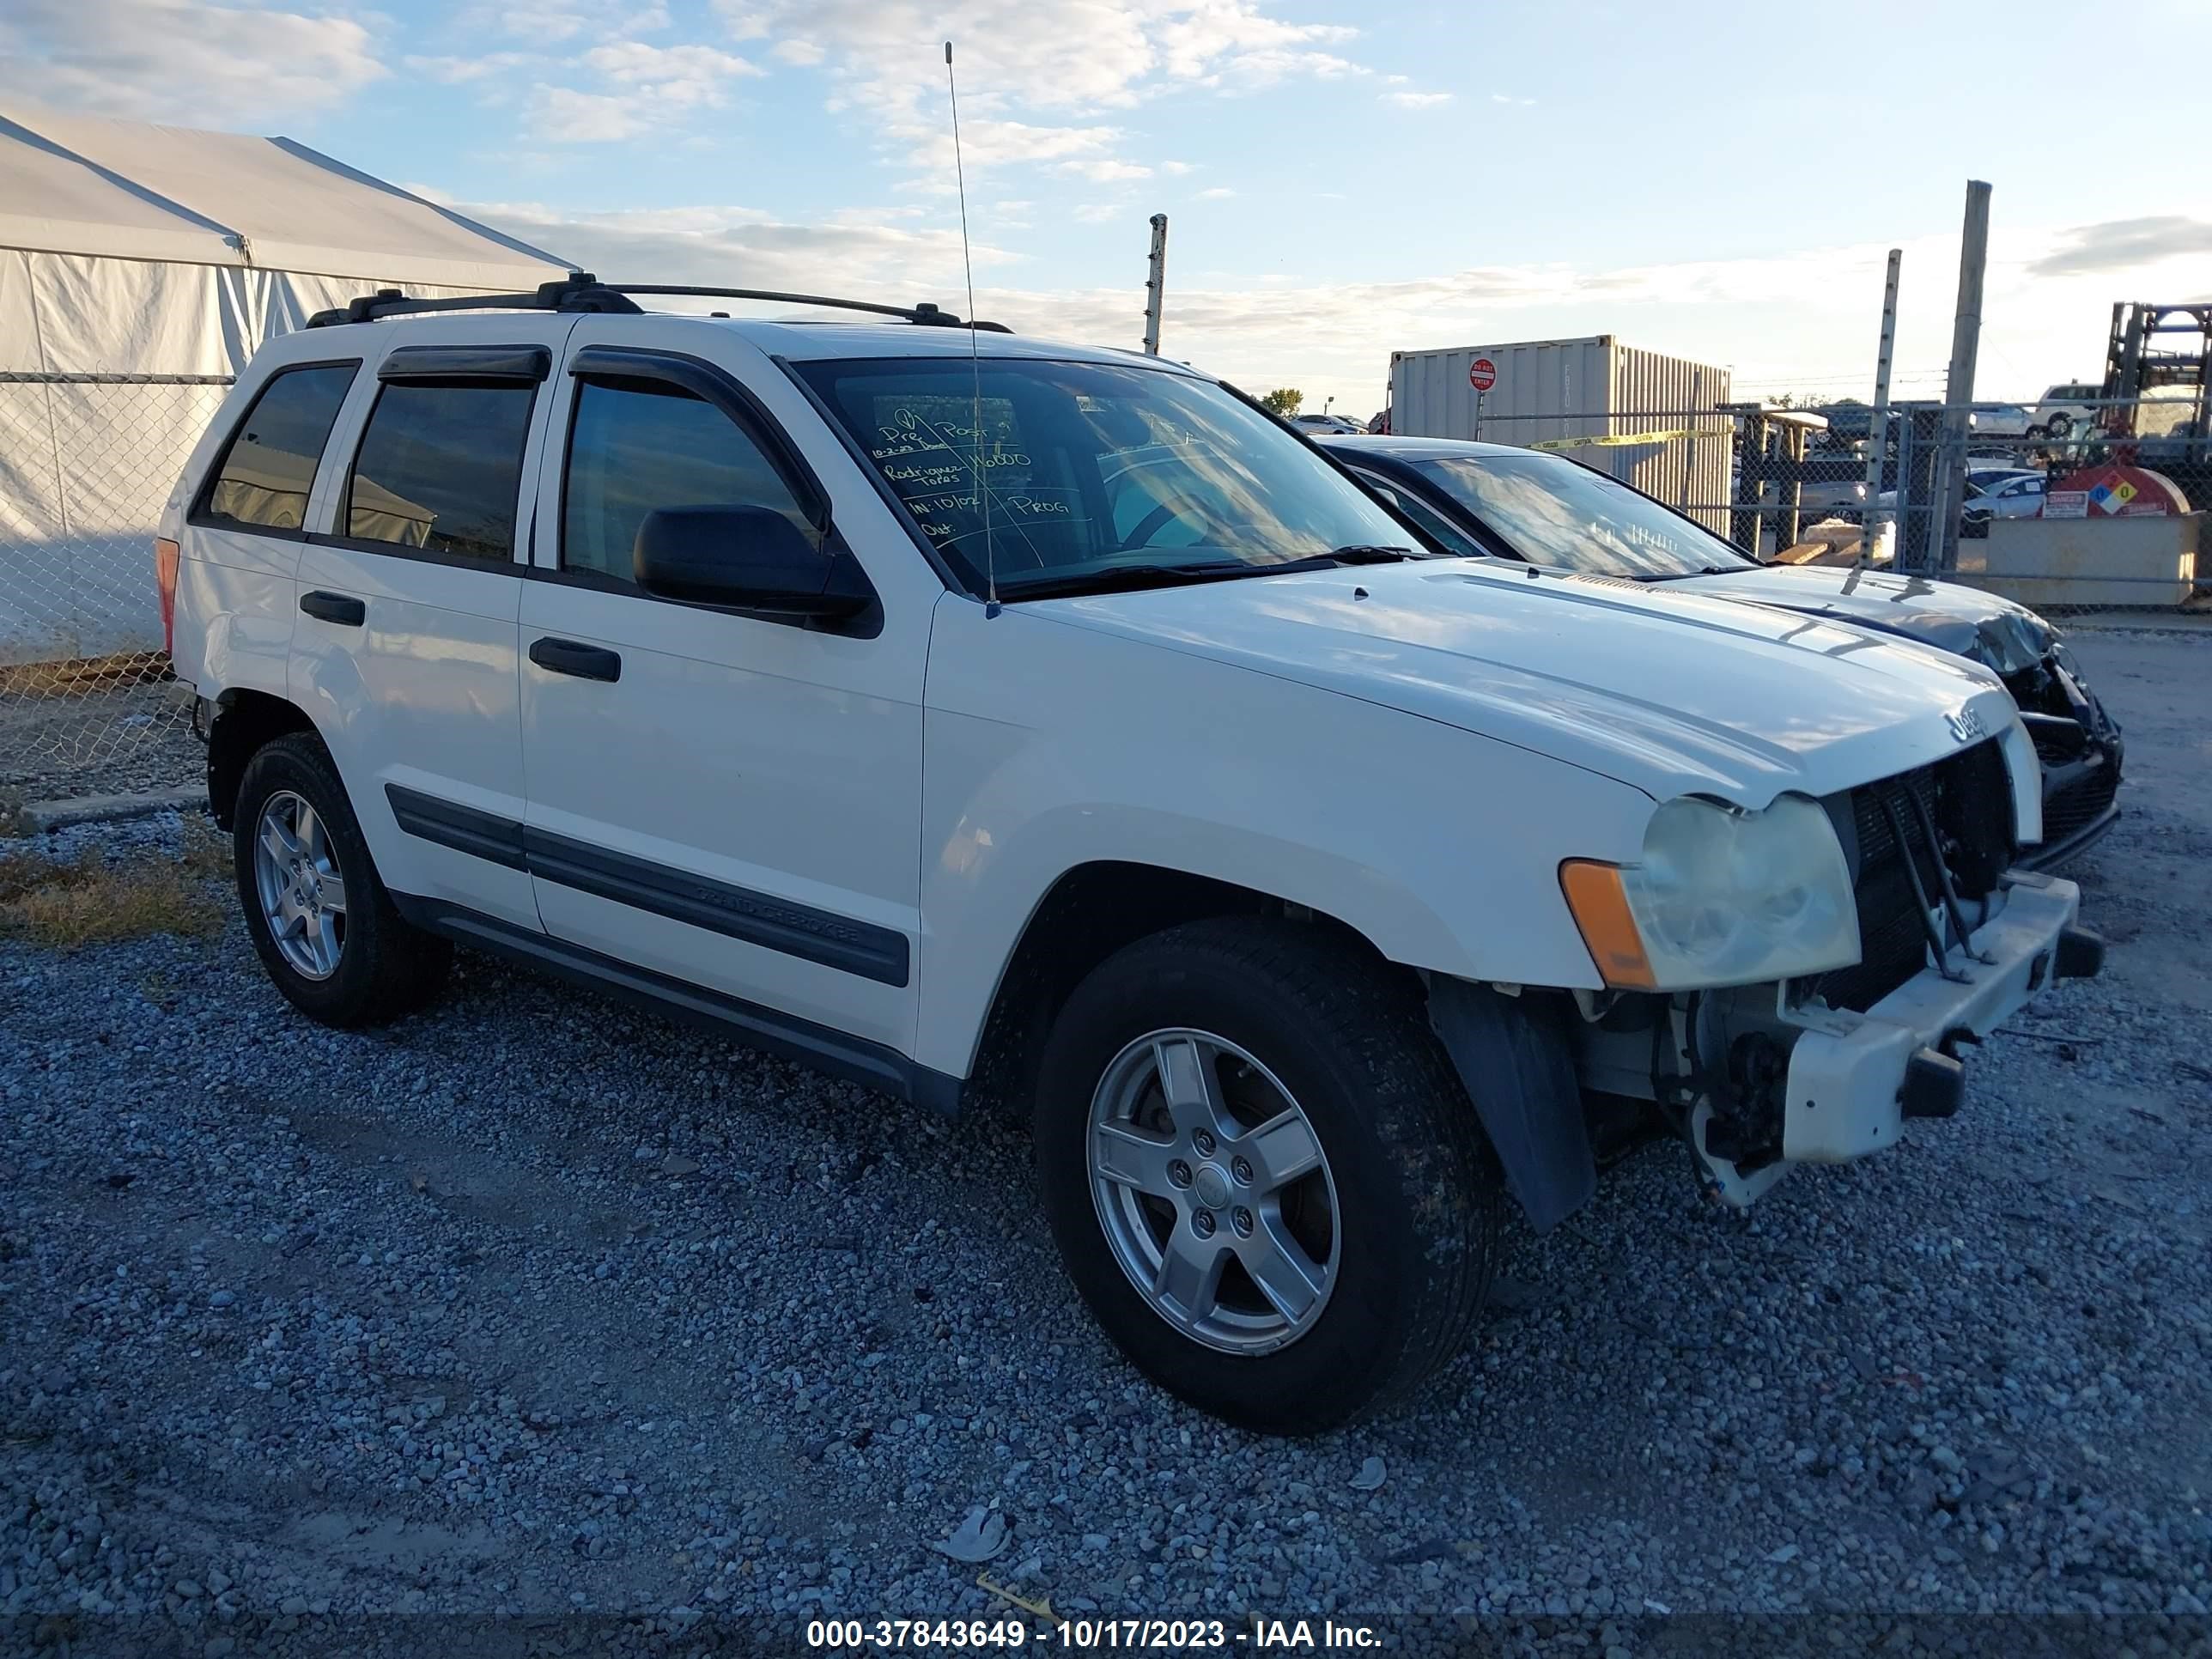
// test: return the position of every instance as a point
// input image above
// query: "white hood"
(1666, 691)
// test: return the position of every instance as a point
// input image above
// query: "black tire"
(1419, 1195)
(2060, 425)
(385, 967)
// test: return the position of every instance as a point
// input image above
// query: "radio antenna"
(975, 354)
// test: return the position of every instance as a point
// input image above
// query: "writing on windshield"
(1048, 471)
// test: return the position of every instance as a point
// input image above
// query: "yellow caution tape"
(1613, 439)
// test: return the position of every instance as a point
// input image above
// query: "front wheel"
(1262, 1174)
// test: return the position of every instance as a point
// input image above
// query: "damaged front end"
(1828, 1067)
(2081, 751)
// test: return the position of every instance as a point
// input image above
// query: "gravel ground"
(530, 1306)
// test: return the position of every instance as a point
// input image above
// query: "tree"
(1283, 400)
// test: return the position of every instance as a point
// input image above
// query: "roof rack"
(580, 291)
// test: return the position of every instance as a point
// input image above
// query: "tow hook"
(1934, 1084)
(2081, 954)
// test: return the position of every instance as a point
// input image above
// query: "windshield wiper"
(1122, 578)
(1357, 553)
(1683, 575)
(1126, 577)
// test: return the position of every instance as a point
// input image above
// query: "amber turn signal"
(1599, 905)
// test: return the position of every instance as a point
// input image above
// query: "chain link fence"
(87, 702)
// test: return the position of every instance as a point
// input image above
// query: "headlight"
(1720, 898)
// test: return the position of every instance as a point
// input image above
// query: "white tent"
(159, 254)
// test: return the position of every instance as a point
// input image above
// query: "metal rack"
(581, 291)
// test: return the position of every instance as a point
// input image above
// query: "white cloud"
(1232, 43)
(1031, 67)
(2119, 243)
(460, 71)
(1417, 100)
(1106, 171)
(162, 60)
(1097, 213)
(743, 247)
(1176, 168)
(1502, 98)
(542, 25)
(1218, 193)
(804, 53)
(677, 76)
(656, 87)
(562, 115)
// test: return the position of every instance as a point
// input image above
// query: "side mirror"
(750, 558)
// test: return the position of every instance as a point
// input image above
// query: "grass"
(90, 900)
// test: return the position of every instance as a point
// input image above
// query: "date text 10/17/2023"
(1255, 1635)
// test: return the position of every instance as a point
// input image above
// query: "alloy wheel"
(301, 889)
(1214, 1194)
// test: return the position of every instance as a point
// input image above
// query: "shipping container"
(1565, 395)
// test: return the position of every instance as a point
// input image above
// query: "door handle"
(340, 608)
(585, 662)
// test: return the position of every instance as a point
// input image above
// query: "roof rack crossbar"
(578, 291)
(924, 313)
(581, 291)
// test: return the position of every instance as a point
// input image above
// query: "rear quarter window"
(267, 469)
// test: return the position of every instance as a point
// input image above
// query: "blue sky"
(1718, 181)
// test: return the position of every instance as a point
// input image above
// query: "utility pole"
(1959, 386)
(1878, 428)
(1156, 285)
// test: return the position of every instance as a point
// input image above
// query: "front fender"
(1048, 747)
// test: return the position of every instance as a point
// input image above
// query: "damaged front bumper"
(1853, 1080)
(2081, 751)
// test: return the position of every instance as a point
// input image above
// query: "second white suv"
(975, 716)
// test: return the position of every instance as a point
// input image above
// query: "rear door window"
(268, 467)
(439, 469)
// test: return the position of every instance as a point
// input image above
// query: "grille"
(1969, 801)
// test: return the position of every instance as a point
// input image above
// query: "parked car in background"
(1312, 425)
(1550, 511)
(1982, 477)
(2008, 495)
(1850, 422)
(1832, 488)
(1305, 887)
(1997, 421)
(2063, 409)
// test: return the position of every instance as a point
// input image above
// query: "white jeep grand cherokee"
(1052, 725)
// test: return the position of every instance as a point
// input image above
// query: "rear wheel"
(1263, 1175)
(321, 921)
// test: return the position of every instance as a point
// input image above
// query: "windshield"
(1558, 513)
(1098, 471)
